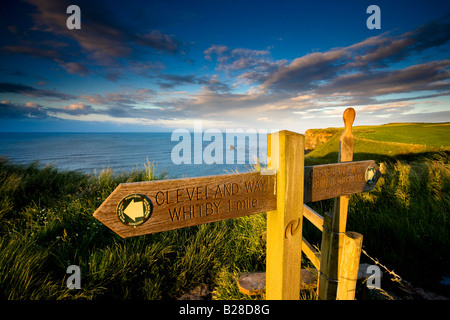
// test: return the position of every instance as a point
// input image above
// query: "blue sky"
(161, 65)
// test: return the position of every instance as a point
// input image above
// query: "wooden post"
(284, 225)
(351, 252)
(327, 285)
(345, 155)
(339, 222)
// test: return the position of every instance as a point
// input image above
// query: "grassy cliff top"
(379, 142)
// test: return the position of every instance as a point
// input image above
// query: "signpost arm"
(284, 225)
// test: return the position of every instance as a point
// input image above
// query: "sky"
(150, 66)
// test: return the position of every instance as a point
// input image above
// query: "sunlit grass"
(42, 233)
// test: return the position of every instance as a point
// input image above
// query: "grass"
(429, 134)
(46, 224)
(405, 219)
(385, 141)
(43, 232)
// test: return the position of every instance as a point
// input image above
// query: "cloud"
(208, 104)
(102, 40)
(438, 116)
(358, 68)
(136, 103)
(170, 81)
(39, 52)
(35, 110)
(101, 34)
(78, 108)
(16, 111)
(235, 59)
(423, 77)
(369, 74)
(50, 54)
(215, 50)
(6, 87)
(387, 108)
(319, 83)
(75, 68)
(303, 72)
(254, 65)
(160, 41)
(365, 75)
(432, 34)
(144, 68)
(113, 107)
(124, 97)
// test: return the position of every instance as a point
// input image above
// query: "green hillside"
(377, 142)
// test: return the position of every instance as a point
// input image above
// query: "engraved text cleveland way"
(219, 199)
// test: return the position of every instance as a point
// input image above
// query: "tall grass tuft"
(43, 232)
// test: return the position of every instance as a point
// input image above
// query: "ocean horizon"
(92, 152)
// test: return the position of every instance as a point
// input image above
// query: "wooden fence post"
(348, 275)
(341, 203)
(326, 284)
(284, 225)
(339, 222)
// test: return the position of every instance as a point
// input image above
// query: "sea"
(90, 153)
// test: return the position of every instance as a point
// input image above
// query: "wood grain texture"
(187, 202)
(340, 210)
(311, 253)
(346, 143)
(348, 276)
(254, 283)
(347, 140)
(327, 285)
(284, 225)
(315, 218)
(333, 180)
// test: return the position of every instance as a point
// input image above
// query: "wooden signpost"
(140, 208)
(162, 205)
(187, 202)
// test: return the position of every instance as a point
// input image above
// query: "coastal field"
(384, 141)
(46, 225)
